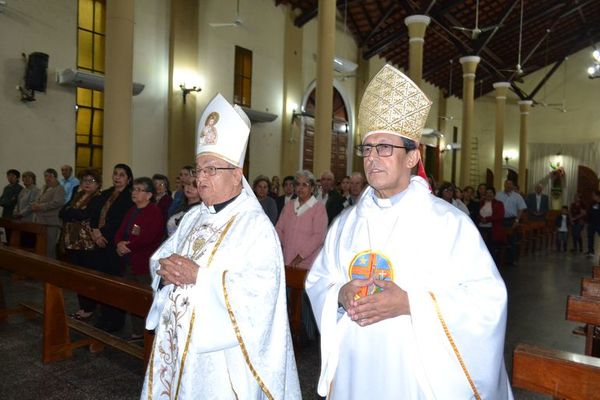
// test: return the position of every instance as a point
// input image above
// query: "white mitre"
(223, 131)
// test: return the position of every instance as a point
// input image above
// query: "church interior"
(515, 92)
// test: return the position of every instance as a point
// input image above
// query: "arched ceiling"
(552, 30)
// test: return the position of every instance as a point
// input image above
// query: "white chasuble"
(451, 345)
(226, 336)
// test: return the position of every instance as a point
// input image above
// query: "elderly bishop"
(407, 298)
(219, 309)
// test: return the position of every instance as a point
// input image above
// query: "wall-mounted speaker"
(36, 75)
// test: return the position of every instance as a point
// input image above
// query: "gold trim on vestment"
(185, 352)
(454, 347)
(151, 370)
(236, 328)
(189, 335)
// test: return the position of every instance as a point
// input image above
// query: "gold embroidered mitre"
(392, 103)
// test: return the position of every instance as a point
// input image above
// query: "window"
(242, 80)
(90, 103)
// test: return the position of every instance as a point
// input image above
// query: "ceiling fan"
(236, 23)
(518, 72)
(562, 106)
(475, 32)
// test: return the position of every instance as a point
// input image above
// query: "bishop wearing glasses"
(219, 309)
(409, 302)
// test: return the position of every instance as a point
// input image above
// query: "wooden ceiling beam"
(384, 18)
(481, 44)
(306, 16)
(385, 42)
(546, 77)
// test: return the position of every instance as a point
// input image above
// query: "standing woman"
(192, 198)
(303, 224)
(139, 235)
(26, 197)
(162, 194)
(46, 209)
(577, 211)
(77, 231)
(262, 187)
(491, 215)
(114, 204)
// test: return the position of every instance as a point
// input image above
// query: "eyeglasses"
(302, 184)
(210, 170)
(89, 180)
(383, 149)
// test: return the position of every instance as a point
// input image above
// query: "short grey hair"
(308, 175)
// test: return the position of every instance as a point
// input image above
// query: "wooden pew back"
(556, 373)
(590, 287)
(294, 280)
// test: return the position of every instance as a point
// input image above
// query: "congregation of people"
(431, 323)
(107, 230)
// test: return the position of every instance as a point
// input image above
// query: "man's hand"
(177, 270)
(389, 303)
(347, 293)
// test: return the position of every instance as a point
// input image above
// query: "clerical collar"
(215, 208)
(388, 202)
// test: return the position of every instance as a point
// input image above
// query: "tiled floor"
(537, 288)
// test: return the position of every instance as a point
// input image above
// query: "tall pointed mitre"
(394, 104)
(223, 131)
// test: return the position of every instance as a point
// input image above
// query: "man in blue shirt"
(68, 182)
(514, 206)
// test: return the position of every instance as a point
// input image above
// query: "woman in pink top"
(303, 224)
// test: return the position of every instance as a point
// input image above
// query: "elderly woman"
(162, 193)
(139, 235)
(446, 192)
(46, 207)
(114, 204)
(302, 228)
(303, 224)
(262, 187)
(26, 198)
(77, 231)
(192, 198)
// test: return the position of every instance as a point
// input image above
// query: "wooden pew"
(590, 287)
(294, 280)
(556, 373)
(17, 229)
(596, 272)
(587, 310)
(56, 275)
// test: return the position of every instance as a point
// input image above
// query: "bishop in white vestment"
(409, 302)
(219, 312)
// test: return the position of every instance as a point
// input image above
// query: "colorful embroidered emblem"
(367, 264)
(208, 135)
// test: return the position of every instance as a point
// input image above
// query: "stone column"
(524, 107)
(183, 60)
(292, 95)
(501, 91)
(324, 112)
(118, 84)
(469, 65)
(417, 24)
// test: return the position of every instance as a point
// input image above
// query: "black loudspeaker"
(36, 74)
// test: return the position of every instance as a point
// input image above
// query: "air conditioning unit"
(88, 80)
(344, 66)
